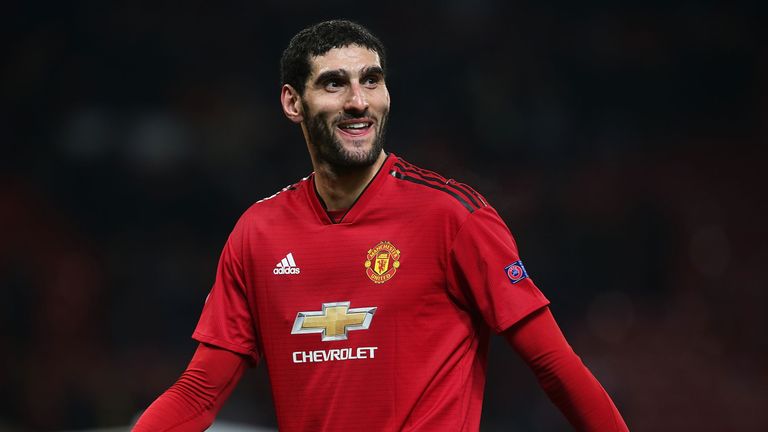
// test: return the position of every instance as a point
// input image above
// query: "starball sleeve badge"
(382, 262)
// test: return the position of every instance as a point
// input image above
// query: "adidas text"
(288, 270)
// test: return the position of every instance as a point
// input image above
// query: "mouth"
(355, 127)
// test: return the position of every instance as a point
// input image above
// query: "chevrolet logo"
(334, 321)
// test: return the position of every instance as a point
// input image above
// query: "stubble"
(330, 149)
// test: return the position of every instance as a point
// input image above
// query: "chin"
(357, 148)
(356, 157)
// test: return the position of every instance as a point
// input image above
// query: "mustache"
(347, 116)
(367, 114)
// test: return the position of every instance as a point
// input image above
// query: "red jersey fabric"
(192, 402)
(562, 375)
(380, 320)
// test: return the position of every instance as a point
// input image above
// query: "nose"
(356, 100)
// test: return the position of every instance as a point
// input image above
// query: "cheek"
(321, 114)
(329, 110)
(324, 105)
(381, 101)
(327, 118)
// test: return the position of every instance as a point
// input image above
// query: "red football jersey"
(380, 321)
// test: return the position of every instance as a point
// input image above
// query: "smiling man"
(370, 287)
(342, 109)
(346, 109)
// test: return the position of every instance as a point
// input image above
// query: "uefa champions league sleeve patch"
(516, 271)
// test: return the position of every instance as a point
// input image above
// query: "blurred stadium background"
(623, 143)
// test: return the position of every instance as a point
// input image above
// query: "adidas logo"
(286, 266)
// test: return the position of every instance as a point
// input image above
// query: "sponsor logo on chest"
(334, 322)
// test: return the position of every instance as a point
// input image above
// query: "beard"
(330, 149)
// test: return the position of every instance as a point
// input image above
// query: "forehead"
(351, 58)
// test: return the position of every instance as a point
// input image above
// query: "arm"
(562, 375)
(192, 402)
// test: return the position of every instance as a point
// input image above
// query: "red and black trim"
(468, 197)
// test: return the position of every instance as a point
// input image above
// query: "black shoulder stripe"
(439, 181)
(434, 177)
(469, 189)
(458, 185)
(402, 176)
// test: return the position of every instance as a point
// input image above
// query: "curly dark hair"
(317, 40)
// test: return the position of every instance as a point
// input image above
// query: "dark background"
(623, 143)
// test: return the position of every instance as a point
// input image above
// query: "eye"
(333, 85)
(371, 81)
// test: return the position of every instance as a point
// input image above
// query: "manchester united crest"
(382, 262)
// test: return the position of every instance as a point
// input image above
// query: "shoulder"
(442, 191)
(274, 205)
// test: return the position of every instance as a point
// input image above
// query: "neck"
(340, 187)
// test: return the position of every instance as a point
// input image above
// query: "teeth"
(355, 126)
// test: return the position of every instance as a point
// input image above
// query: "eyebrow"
(327, 75)
(342, 74)
(372, 70)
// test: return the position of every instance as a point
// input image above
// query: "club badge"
(382, 262)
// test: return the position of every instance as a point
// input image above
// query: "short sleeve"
(226, 320)
(485, 272)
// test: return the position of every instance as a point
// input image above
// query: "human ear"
(291, 102)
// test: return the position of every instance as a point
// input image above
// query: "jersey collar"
(362, 201)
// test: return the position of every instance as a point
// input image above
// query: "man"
(371, 286)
